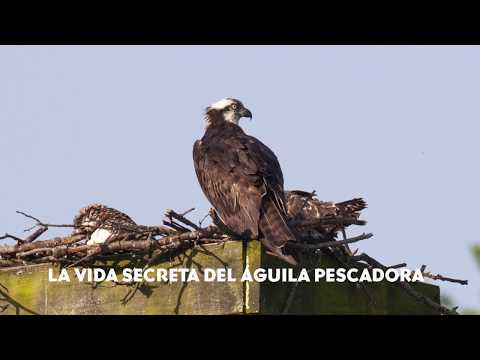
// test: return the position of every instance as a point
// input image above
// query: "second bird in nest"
(101, 223)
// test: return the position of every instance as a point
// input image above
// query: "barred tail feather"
(275, 231)
(351, 207)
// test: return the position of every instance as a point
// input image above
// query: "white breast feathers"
(99, 236)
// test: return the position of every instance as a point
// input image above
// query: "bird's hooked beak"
(244, 112)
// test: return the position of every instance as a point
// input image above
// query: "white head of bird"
(228, 109)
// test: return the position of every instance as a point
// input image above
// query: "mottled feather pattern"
(94, 216)
(351, 207)
(301, 205)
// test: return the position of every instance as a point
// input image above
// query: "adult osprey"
(242, 179)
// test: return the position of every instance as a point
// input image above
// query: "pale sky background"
(397, 125)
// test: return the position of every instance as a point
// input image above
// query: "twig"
(36, 234)
(29, 216)
(188, 211)
(326, 244)
(181, 217)
(398, 266)
(326, 221)
(34, 252)
(429, 275)
(8, 236)
(11, 249)
(16, 304)
(40, 223)
(175, 226)
(203, 219)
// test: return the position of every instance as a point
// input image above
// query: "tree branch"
(326, 244)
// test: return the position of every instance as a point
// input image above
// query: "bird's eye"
(234, 106)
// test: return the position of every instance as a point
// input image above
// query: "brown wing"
(230, 182)
(270, 171)
(236, 171)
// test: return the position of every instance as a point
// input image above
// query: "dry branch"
(8, 236)
(327, 221)
(57, 241)
(429, 275)
(331, 244)
(181, 217)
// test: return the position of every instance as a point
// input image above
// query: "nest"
(176, 234)
(149, 244)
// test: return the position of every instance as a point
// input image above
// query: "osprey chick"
(242, 179)
(303, 206)
(101, 222)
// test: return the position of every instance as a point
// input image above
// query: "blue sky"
(397, 125)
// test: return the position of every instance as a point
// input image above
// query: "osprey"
(302, 205)
(101, 223)
(242, 179)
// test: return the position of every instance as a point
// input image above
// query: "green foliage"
(476, 253)
(449, 302)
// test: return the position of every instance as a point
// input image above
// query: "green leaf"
(476, 253)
